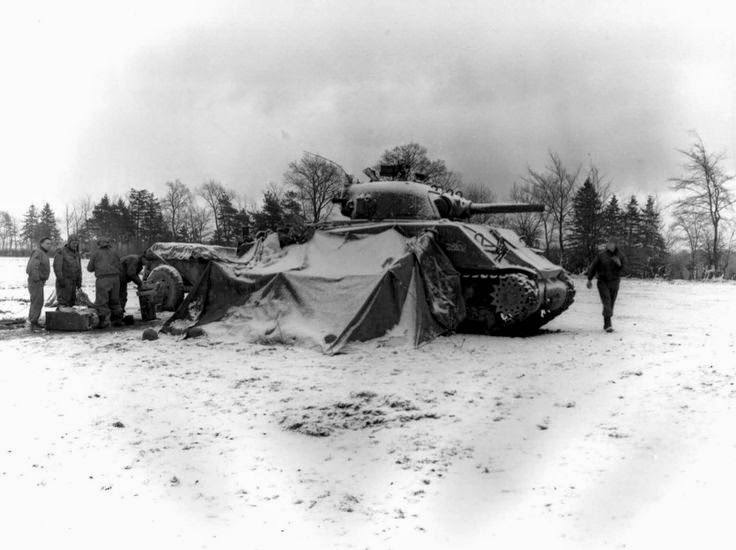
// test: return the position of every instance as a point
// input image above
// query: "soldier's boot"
(117, 317)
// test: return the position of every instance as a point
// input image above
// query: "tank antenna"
(347, 176)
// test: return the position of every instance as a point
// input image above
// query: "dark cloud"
(489, 90)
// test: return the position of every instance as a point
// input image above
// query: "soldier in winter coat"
(607, 266)
(105, 264)
(38, 271)
(131, 267)
(68, 271)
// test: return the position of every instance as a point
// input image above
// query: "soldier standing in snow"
(38, 270)
(105, 264)
(607, 266)
(68, 271)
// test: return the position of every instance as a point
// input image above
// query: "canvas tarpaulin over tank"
(330, 291)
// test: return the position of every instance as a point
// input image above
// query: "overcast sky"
(100, 97)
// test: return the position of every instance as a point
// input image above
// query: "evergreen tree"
(47, 226)
(631, 242)
(294, 226)
(145, 216)
(100, 223)
(121, 219)
(228, 229)
(652, 241)
(631, 225)
(271, 214)
(585, 228)
(280, 213)
(29, 229)
(110, 219)
(182, 234)
(241, 224)
(612, 220)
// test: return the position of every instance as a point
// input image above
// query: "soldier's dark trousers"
(608, 290)
(35, 289)
(123, 293)
(107, 299)
(66, 292)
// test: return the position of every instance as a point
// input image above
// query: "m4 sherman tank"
(507, 287)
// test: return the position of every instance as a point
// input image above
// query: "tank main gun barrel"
(503, 208)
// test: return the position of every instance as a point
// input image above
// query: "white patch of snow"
(570, 439)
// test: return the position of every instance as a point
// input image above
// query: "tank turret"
(381, 200)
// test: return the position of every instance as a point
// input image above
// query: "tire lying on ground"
(170, 286)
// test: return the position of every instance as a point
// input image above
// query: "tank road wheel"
(515, 297)
(170, 287)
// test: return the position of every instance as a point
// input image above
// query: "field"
(569, 439)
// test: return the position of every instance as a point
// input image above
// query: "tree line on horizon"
(581, 212)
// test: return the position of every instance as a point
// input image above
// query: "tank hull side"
(507, 287)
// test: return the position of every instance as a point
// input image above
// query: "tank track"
(497, 303)
(542, 317)
(508, 304)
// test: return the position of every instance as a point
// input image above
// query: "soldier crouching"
(130, 269)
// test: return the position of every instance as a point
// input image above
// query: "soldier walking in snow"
(105, 264)
(38, 271)
(607, 266)
(68, 271)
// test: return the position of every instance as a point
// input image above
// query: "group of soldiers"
(112, 275)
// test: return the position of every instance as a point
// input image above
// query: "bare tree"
(6, 230)
(555, 188)
(82, 212)
(546, 220)
(175, 204)
(14, 233)
(213, 192)
(316, 181)
(69, 218)
(448, 180)
(412, 163)
(197, 220)
(690, 227)
(526, 224)
(729, 232)
(705, 184)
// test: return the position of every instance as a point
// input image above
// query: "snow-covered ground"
(570, 439)
(14, 300)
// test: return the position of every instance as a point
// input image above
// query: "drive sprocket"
(515, 297)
